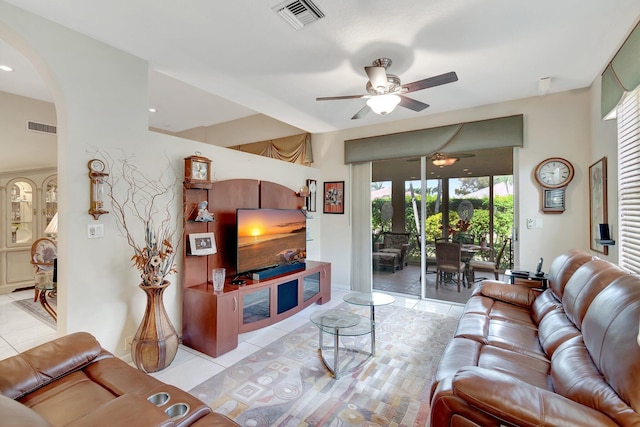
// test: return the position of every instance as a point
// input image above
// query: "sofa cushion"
(554, 330)
(517, 295)
(40, 365)
(127, 410)
(575, 376)
(587, 282)
(610, 329)
(545, 304)
(563, 267)
(15, 414)
(67, 399)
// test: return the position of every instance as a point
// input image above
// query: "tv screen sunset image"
(268, 237)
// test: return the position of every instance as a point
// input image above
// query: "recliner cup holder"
(159, 399)
(177, 411)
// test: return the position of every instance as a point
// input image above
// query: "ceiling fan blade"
(363, 112)
(431, 82)
(377, 77)
(412, 104)
(333, 98)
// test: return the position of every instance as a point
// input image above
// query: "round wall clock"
(554, 172)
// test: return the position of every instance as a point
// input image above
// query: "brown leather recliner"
(73, 381)
(564, 356)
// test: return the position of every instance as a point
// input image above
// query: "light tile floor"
(20, 331)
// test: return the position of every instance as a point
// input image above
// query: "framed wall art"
(598, 204)
(333, 200)
(202, 244)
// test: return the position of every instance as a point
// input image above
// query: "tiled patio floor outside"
(407, 281)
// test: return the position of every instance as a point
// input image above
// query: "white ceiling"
(212, 62)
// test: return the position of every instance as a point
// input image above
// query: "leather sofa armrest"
(516, 402)
(126, 410)
(29, 370)
(513, 294)
(15, 414)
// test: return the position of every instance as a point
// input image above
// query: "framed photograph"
(334, 197)
(202, 244)
(598, 203)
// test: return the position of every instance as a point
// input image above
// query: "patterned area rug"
(286, 384)
(35, 309)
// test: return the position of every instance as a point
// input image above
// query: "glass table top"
(335, 319)
(335, 322)
(368, 298)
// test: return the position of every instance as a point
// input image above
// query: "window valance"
(493, 133)
(622, 74)
(293, 149)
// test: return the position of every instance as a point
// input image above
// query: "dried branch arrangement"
(144, 212)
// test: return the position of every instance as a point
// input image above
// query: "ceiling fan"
(385, 91)
(441, 159)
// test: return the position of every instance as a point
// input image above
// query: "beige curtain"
(361, 240)
(293, 149)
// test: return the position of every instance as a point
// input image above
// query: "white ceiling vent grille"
(41, 127)
(299, 13)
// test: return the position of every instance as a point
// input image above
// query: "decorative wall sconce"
(97, 176)
(311, 200)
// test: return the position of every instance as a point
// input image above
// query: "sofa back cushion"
(563, 267)
(30, 370)
(561, 270)
(583, 286)
(601, 368)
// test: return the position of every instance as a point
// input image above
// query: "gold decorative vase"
(155, 344)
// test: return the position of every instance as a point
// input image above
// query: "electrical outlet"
(127, 343)
(529, 223)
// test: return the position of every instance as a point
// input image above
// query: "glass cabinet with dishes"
(21, 208)
(30, 202)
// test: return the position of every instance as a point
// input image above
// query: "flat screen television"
(269, 237)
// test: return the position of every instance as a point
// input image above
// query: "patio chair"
(396, 243)
(449, 259)
(488, 266)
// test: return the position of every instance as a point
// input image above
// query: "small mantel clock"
(197, 171)
(554, 175)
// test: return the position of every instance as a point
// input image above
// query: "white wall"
(604, 143)
(23, 149)
(101, 100)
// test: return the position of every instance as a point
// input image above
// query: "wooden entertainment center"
(211, 321)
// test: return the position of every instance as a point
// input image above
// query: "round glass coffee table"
(372, 299)
(340, 323)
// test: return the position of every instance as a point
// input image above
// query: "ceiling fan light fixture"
(439, 159)
(383, 104)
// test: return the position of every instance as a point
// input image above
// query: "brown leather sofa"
(73, 381)
(565, 356)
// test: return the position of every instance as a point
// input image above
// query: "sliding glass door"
(474, 207)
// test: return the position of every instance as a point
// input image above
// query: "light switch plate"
(95, 231)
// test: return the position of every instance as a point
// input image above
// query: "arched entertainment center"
(211, 321)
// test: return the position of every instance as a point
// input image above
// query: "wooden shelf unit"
(211, 321)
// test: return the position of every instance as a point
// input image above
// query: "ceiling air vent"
(299, 13)
(41, 127)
